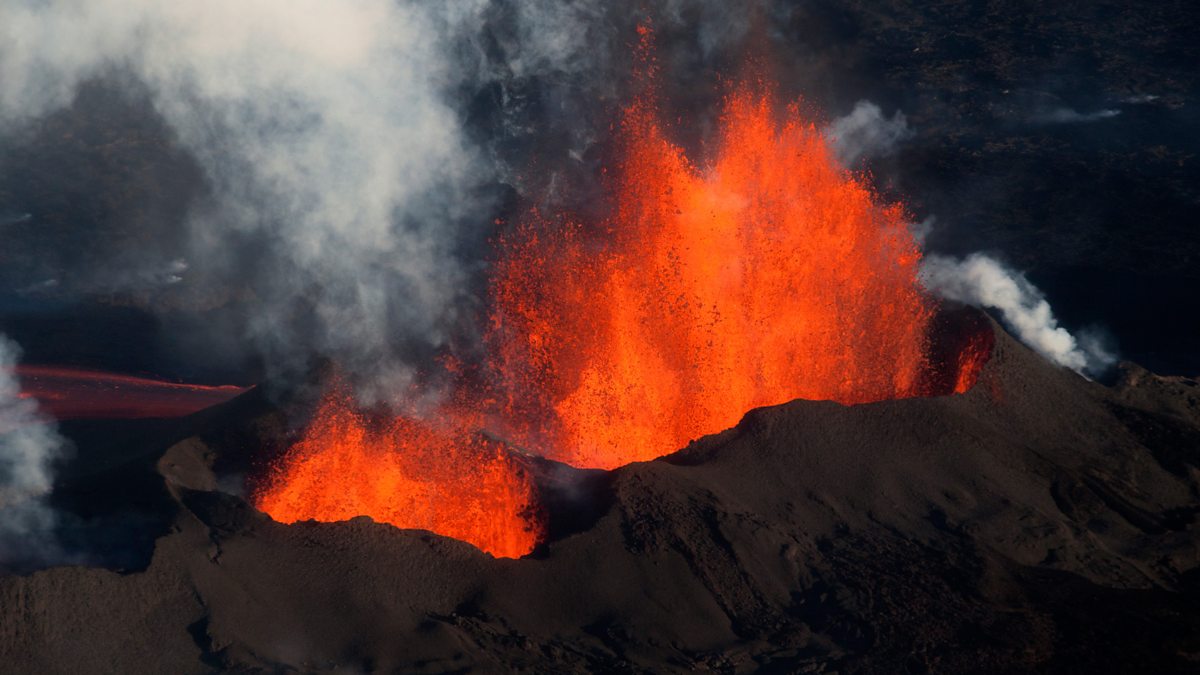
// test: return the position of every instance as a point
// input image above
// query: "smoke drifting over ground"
(982, 281)
(29, 446)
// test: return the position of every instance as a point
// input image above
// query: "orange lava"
(972, 358)
(768, 274)
(68, 393)
(411, 474)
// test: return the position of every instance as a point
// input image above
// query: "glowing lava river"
(769, 273)
(67, 393)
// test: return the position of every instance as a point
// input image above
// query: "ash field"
(527, 336)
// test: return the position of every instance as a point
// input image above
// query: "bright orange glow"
(767, 274)
(411, 474)
(971, 359)
(770, 274)
(68, 393)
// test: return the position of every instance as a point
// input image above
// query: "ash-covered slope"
(1038, 523)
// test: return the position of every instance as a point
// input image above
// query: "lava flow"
(67, 393)
(447, 479)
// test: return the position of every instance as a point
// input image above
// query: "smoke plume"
(342, 182)
(29, 446)
(1072, 116)
(981, 281)
(866, 133)
(352, 177)
(354, 154)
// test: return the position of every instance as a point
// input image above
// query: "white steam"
(921, 229)
(867, 133)
(981, 281)
(29, 446)
(325, 132)
(346, 191)
(1072, 116)
(1140, 99)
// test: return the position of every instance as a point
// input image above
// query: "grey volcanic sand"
(1040, 522)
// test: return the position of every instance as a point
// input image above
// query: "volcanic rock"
(1038, 523)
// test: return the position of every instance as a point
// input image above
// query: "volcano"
(984, 532)
(598, 337)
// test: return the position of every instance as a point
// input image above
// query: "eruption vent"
(768, 275)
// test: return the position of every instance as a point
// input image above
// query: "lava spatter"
(766, 275)
(444, 477)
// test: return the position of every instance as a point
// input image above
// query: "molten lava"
(67, 393)
(768, 275)
(408, 473)
(971, 359)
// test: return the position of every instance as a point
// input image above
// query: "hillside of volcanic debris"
(1037, 523)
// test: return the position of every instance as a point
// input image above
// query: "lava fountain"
(447, 478)
(767, 274)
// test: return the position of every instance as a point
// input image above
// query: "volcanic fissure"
(769, 273)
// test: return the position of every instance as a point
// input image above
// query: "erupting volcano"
(599, 337)
(768, 274)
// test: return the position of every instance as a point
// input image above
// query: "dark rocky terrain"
(1038, 523)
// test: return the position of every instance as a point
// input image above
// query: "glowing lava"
(971, 359)
(770, 274)
(411, 474)
(67, 393)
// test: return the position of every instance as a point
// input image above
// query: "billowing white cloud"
(325, 133)
(29, 446)
(982, 281)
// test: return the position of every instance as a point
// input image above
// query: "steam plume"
(346, 185)
(866, 133)
(341, 177)
(348, 195)
(981, 281)
(29, 445)
(1072, 116)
